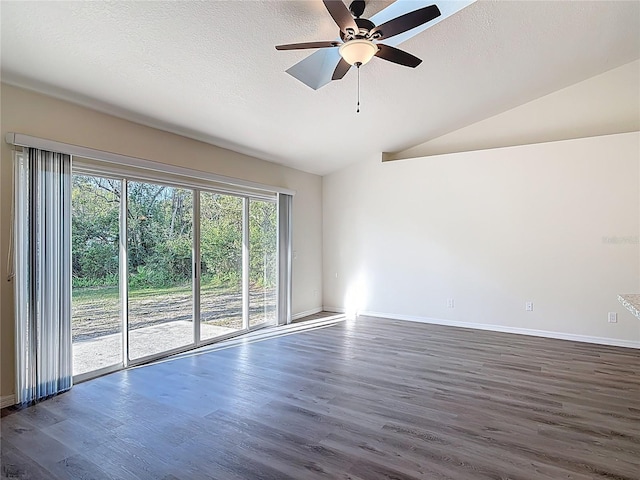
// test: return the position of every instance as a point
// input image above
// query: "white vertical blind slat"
(285, 211)
(43, 274)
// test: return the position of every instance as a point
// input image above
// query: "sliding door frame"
(124, 269)
(245, 264)
(196, 270)
(264, 323)
(123, 292)
(196, 190)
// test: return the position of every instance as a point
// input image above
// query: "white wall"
(491, 229)
(601, 105)
(42, 116)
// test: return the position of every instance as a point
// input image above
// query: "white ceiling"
(209, 70)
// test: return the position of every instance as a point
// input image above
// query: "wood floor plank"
(16, 464)
(360, 400)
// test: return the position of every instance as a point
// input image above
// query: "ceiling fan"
(360, 36)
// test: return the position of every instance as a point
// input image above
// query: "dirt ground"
(96, 318)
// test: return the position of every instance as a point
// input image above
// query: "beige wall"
(41, 116)
(554, 223)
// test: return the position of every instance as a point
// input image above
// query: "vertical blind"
(285, 203)
(43, 273)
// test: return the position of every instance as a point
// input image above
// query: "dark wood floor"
(357, 400)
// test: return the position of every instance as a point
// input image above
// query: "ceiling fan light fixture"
(358, 51)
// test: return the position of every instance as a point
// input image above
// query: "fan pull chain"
(358, 106)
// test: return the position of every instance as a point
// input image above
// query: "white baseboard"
(7, 401)
(333, 309)
(500, 328)
(306, 313)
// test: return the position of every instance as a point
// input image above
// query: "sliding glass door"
(96, 325)
(136, 293)
(159, 250)
(263, 262)
(221, 301)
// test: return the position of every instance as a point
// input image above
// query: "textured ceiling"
(209, 70)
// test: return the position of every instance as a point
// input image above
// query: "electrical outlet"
(450, 303)
(613, 317)
(528, 306)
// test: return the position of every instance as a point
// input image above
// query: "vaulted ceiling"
(209, 70)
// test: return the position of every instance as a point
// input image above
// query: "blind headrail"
(22, 140)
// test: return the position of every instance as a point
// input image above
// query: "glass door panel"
(160, 244)
(263, 262)
(221, 265)
(96, 324)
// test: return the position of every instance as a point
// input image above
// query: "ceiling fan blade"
(341, 70)
(315, 70)
(300, 46)
(341, 15)
(395, 55)
(406, 22)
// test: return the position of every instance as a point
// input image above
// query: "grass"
(93, 294)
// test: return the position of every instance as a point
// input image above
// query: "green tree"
(160, 235)
(95, 230)
(159, 226)
(221, 234)
(263, 243)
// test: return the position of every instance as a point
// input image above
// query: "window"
(136, 241)
(160, 259)
(221, 298)
(263, 262)
(95, 257)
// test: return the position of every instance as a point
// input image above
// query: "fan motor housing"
(365, 27)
